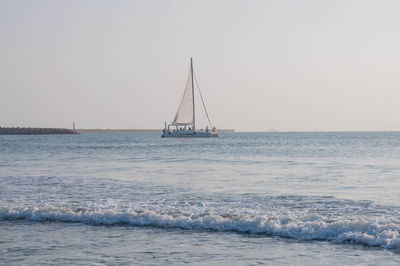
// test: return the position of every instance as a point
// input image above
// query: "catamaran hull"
(182, 134)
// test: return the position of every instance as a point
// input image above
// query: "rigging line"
(201, 97)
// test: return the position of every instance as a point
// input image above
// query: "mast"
(191, 70)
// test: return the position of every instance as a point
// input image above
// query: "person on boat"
(207, 129)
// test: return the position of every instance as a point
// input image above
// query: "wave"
(380, 233)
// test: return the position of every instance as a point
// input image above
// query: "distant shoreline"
(54, 131)
(82, 131)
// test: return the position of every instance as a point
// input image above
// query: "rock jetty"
(34, 131)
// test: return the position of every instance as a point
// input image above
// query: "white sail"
(184, 115)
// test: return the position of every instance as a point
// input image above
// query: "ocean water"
(240, 199)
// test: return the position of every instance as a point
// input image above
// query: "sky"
(261, 65)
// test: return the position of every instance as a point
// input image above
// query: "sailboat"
(184, 123)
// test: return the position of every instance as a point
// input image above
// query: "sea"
(266, 198)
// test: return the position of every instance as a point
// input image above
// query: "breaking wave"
(379, 232)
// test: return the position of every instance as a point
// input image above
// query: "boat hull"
(189, 134)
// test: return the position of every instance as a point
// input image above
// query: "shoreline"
(82, 131)
(54, 131)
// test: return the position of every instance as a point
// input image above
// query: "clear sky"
(287, 65)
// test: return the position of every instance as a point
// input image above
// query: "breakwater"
(34, 131)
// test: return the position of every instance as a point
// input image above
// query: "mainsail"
(185, 115)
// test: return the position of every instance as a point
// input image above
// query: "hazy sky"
(287, 65)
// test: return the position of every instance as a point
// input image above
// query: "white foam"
(381, 233)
